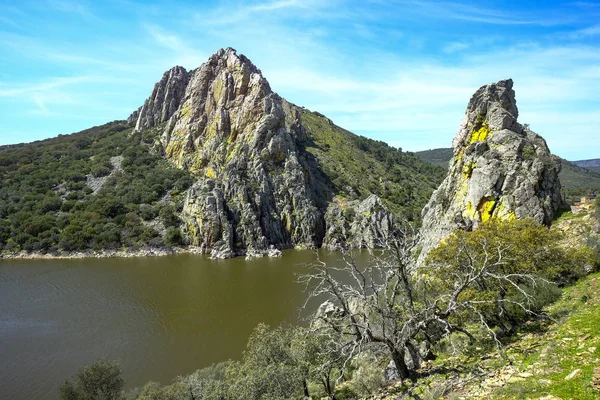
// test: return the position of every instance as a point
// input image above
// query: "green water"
(161, 317)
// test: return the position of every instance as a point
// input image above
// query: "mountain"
(577, 178)
(214, 160)
(592, 165)
(499, 170)
(269, 173)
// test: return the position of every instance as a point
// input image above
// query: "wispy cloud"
(182, 53)
(277, 5)
(70, 6)
(590, 31)
(455, 47)
(473, 13)
(17, 90)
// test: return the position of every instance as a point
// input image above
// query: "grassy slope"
(573, 343)
(368, 166)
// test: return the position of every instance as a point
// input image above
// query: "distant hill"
(439, 157)
(592, 165)
(578, 178)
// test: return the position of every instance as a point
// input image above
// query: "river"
(161, 317)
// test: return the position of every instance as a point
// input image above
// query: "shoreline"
(144, 252)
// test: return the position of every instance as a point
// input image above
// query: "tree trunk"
(414, 355)
(305, 387)
(328, 389)
(398, 357)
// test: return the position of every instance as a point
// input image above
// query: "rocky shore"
(125, 253)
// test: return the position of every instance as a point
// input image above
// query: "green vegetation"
(440, 157)
(100, 381)
(357, 164)
(577, 181)
(561, 348)
(47, 202)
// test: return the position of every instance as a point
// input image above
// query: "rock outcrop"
(133, 117)
(500, 170)
(165, 98)
(357, 224)
(256, 188)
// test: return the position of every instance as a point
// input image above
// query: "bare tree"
(393, 305)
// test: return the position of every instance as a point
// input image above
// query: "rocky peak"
(496, 105)
(165, 98)
(256, 188)
(499, 170)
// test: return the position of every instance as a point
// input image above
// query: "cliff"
(262, 181)
(500, 169)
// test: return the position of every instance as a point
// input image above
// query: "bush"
(100, 381)
(526, 255)
(99, 170)
(268, 369)
(368, 377)
(173, 236)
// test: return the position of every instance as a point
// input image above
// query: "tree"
(268, 370)
(391, 305)
(319, 359)
(99, 381)
(208, 383)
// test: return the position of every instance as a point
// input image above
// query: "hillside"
(592, 165)
(577, 178)
(99, 189)
(440, 157)
(263, 175)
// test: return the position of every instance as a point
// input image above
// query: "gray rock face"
(357, 224)
(500, 170)
(257, 190)
(134, 116)
(164, 100)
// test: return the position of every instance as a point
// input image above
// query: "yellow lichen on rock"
(486, 209)
(481, 134)
(468, 169)
(210, 173)
(469, 211)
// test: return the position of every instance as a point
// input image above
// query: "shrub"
(99, 381)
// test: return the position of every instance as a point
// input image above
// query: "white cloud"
(590, 31)
(455, 47)
(276, 5)
(182, 53)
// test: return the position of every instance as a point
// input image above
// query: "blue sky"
(400, 71)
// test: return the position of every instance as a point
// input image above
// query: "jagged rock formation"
(165, 98)
(358, 224)
(133, 117)
(499, 170)
(256, 185)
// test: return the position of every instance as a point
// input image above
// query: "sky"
(401, 71)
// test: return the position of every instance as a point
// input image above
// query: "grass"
(573, 343)
(534, 363)
(368, 166)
